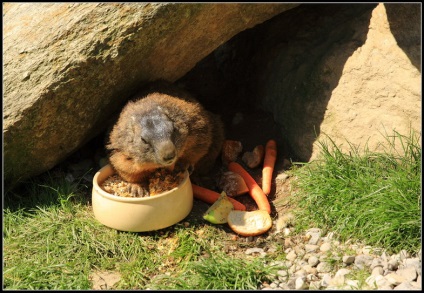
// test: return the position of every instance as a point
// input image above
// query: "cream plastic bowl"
(140, 214)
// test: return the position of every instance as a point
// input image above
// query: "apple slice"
(218, 212)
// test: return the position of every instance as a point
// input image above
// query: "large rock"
(380, 87)
(68, 66)
(345, 77)
(349, 71)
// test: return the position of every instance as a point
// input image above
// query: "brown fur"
(164, 129)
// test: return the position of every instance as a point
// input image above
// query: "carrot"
(254, 189)
(211, 196)
(268, 167)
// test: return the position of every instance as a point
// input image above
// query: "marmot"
(165, 128)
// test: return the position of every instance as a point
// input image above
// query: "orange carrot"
(254, 189)
(211, 196)
(268, 167)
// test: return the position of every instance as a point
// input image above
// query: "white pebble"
(301, 283)
(325, 247)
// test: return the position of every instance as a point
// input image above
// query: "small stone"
(342, 272)
(348, 259)
(292, 269)
(393, 265)
(337, 281)
(272, 249)
(282, 273)
(288, 242)
(300, 283)
(313, 261)
(403, 254)
(291, 255)
(311, 247)
(309, 269)
(362, 261)
(352, 284)
(395, 279)
(413, 262)
(255, 250)
(254, 158)
(291, 283)
(286, 232)
(371, 281)
(409, 273)
(315, 234)
(311, 277)
(273, 285)
(324, 267)
(376, 262)
(325, 247)
(300, 273)
(405, 286)
(315, 285)
(325, 281)
(382, 282)
(299, 251)
(282, 177)
(377, 271)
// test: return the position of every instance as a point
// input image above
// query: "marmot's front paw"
(138, 190)
(181, 166)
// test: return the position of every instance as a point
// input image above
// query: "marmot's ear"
(166, 113)
(181, 127)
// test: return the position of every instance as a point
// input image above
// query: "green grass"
(374, 197)
(218, 272)
(52, 241)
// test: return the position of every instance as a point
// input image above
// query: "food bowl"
(143, 213)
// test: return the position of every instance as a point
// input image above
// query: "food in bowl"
(160, 181)
(139, 214)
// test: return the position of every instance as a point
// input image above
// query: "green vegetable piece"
(218, 212)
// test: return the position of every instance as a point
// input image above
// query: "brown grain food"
(162, 180)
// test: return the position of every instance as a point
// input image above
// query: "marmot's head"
(148, 135)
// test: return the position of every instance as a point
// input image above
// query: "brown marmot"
(164, 128)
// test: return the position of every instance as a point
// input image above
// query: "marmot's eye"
(128, 158)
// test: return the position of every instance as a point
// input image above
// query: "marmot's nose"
(167, 152)
(169, 156)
